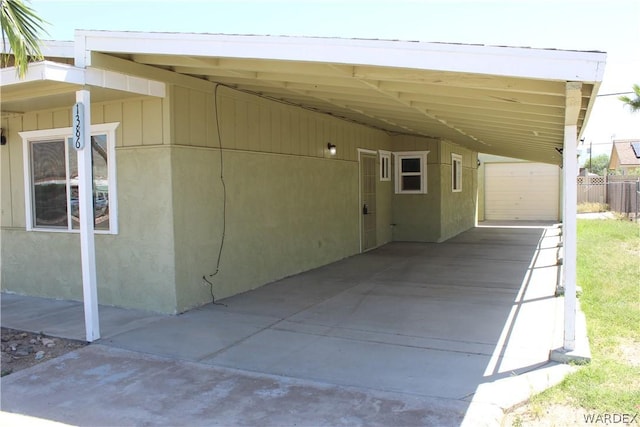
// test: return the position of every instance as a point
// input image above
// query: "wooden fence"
(621, 193)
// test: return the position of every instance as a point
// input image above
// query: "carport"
(442, 332)
(524, 103)
(517, 102)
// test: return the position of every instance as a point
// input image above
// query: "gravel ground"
(21, 350)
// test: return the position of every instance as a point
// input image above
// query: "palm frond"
(632, 103)
(21, 28)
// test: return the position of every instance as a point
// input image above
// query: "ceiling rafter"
(395, 96)
(465, 108)
(356, 110)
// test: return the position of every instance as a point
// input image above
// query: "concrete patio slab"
(459, 327)
(106, 386)
(66, 318)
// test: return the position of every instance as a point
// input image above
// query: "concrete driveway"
(409, 334)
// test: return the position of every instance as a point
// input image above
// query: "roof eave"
(500, 61)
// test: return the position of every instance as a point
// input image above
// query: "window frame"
(385, 165)
(456, 173)
(422, 157)
(64, 134)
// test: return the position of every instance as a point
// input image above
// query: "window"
(51, 179)
(385, 166)
(456, 172)
(411, 172)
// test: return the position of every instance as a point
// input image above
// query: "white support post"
(569, 233)
(570, 203)
(87, 241)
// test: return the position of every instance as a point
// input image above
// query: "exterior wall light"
(3, 139)
(332, 148)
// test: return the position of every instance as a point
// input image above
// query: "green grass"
(609, 274)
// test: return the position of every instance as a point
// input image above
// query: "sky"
(611, 26)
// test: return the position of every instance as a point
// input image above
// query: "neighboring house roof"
(500, 100)
(625, 153)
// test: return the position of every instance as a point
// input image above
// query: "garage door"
(521, 191)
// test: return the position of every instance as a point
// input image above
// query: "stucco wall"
(290, 206)
(416, 217)
(457, 209)
(134, 268)
(441, 213)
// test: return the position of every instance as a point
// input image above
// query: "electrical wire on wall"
(224, 200)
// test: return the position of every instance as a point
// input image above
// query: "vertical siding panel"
(181, 115)
(97, 113)
(265, 129)
(285, 135)
(197, 118)
(132, 127)
(45, 120)
(317, 137)
(16, 170)
(276, 143)
(29, 122)
(113, 114)
(349, 141)
(254, 126)
(151, 122)
(62, 118)
(303, 138)
(241, 123)
(212, 130)
(295, 131)
(227, 122)
(6, 211)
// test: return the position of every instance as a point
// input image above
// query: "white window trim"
(398, 156)
(385, 158)
(456, 158)
(64, 133)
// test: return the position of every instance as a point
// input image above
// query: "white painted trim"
(456, 157)
(493, 60)
(362, 151)
(28, 178)
(64, 73)
(87, 238)
(57, 49)
(398, 156)
(45, 70)
(366, 151)
(119, 81)
(64, 133)
(569, 234)
(384, 154)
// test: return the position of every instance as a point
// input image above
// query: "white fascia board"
(64, 73)
(57, 49)
(45, 70)
(125, 82)
(501, 61)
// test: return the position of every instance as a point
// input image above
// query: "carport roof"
(500, 100)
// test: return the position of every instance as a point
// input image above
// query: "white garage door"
(521, 191)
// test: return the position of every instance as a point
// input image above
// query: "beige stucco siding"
(134, 268)
(457, 208)
(416, 217)
(290, 206)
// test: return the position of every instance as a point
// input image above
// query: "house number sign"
(77, 119)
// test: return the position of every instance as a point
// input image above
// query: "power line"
(615, 94)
